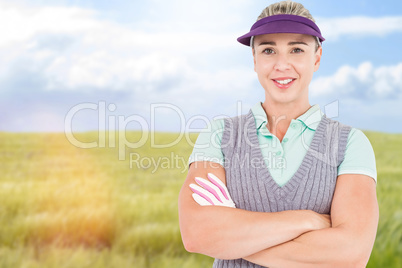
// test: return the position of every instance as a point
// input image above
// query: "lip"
(284, 78)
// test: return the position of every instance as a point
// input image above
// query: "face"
(285, 63)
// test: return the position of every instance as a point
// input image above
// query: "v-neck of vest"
(302, 170)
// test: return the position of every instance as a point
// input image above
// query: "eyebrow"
(289, 44)
(297, 43)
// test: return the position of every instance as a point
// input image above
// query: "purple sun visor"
(282, 24)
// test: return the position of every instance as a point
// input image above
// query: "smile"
(284, 82)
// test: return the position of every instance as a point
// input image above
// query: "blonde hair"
(286, 7)
(289, 8)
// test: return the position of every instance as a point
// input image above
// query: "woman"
(300, 187)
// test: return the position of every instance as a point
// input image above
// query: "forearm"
(229, 233)
(330, 247)
(354, 215)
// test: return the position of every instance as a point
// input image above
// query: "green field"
(62, 206)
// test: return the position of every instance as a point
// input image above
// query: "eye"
(268, 51)
(297, 50)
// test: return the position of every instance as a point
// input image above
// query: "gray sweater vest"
(252, 187)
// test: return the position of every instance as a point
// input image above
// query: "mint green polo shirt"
(284, 158)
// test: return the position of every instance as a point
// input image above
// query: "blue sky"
(172, 65)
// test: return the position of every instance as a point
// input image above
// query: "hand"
(320, 221)
(211, 193)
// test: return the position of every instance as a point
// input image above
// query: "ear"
(317, 56)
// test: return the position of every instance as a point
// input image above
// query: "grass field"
(62, 206)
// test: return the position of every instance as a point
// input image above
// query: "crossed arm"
(284, 239)
(348, 243)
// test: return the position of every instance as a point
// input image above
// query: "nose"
(282, 63)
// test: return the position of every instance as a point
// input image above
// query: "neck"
(281, 114)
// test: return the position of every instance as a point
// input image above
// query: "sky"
(174, 65)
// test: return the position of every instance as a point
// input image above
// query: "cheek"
(263, 67)
(258, 67)
(304, 67)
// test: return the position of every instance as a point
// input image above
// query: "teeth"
(284, 82)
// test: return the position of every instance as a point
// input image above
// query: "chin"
(283, 98)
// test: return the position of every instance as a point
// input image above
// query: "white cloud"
(173, 59)
(146, 67)
(18, 23)
(72, 49)
(359, 26)
(200, 16)
(362, 82)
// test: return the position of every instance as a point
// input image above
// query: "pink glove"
(212, 192)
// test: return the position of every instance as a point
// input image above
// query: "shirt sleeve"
(359, 156)
(208, 144)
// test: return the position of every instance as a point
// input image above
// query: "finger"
(209, 187)
(228, 204)
(231, 204)
(200, 200)
(204, 193)
(215, 180)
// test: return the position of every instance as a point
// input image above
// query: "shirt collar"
(312, 117)
(260, 116)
